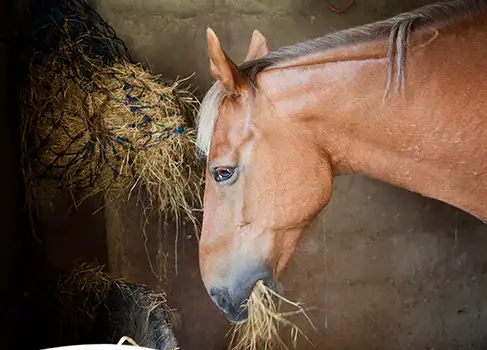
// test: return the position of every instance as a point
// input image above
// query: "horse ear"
(221, 66)
(258, 46)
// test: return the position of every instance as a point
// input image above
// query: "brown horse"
(402, 100)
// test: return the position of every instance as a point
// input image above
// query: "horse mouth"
(239, 318)
(274, 286)
(243, 315)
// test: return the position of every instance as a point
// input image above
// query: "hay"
(85, 288)
(96, 307)
(262, 329)
(94, 123)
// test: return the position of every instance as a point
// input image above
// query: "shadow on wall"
(21, 256)
(28, 262)
(66, 234)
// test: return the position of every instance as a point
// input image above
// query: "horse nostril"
(221, 298)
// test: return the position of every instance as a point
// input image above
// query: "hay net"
(94, 121)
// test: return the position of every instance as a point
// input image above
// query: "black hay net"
(64, 55)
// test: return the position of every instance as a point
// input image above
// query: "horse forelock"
(207, 115)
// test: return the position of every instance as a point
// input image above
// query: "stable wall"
(385, 268)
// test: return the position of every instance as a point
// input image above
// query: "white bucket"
(104, 346)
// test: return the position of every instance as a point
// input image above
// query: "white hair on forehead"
(207, 115)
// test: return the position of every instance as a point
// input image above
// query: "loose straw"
(261, 330)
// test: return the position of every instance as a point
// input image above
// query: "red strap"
(334, 9)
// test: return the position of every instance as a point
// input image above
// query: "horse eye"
(221, 174)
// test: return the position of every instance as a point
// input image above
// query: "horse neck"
(414, 140)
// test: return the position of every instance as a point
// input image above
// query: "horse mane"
(397, 29)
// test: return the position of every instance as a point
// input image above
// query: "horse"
(399, 100)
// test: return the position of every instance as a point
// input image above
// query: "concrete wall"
(169, 35)
(386, 269)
